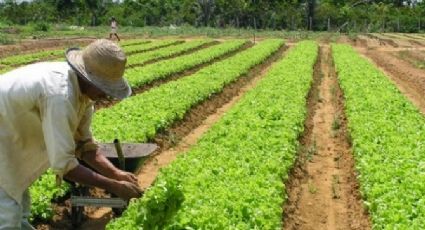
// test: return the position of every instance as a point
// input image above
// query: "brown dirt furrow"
(409, 80)
(416, 37)
(417, 54)
(414, 57)
(372, 43)
(396, 40)
(323, 189)
(369, 42)
(360, 41)
(181, 136)
(404, 39)
(176, 55)
(401, 49)
(383, 41)
(415, 42)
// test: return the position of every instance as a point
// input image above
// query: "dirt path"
(183, 135)
(323, 191)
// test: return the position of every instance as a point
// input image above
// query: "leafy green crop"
(133, 42)
(17, 60)
(149, 46)
(142, 58)
(43, 191)
(142, 75)
(138, 118)
(232, 179)
(388, 135)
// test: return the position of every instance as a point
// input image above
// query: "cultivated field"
(278, 134)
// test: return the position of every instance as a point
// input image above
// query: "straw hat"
(102, 63)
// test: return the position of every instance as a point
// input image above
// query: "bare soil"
(416, 37)
(416, 58)
(417, 54)
(323, 190)
(383, 40)
(179, 138)
(404, 39)
(373, 43)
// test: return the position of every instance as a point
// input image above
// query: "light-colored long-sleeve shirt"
(113, 24)
(42, 115)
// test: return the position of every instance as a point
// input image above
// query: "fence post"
(329, 24)
(310, 22)
(398, 24)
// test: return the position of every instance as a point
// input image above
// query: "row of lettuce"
(132, 42)
(140, 76)
(138, 118)
(388, 136)
(142, 58)
(233, 177)
(41, 200)
(129, 50)
(133, 47)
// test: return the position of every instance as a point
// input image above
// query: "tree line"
(317, 15)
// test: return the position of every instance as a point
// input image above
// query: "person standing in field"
(114, 27)
(45, 116)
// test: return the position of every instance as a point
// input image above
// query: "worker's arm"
(123, 189)
(87, 151)
(57, 121)
(101, 164)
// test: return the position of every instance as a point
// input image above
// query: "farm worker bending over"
(45, 115)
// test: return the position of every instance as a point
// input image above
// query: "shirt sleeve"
(59, 121)
(83, 136)
(83, 131)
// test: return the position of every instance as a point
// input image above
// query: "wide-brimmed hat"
(102, 63)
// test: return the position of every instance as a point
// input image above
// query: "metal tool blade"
(81, 201)
(129, 150)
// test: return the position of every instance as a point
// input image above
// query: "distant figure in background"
(114, 27)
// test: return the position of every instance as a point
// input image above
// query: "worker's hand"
(125, 176)
(126, 190)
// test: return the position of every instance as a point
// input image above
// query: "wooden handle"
(121, 158)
